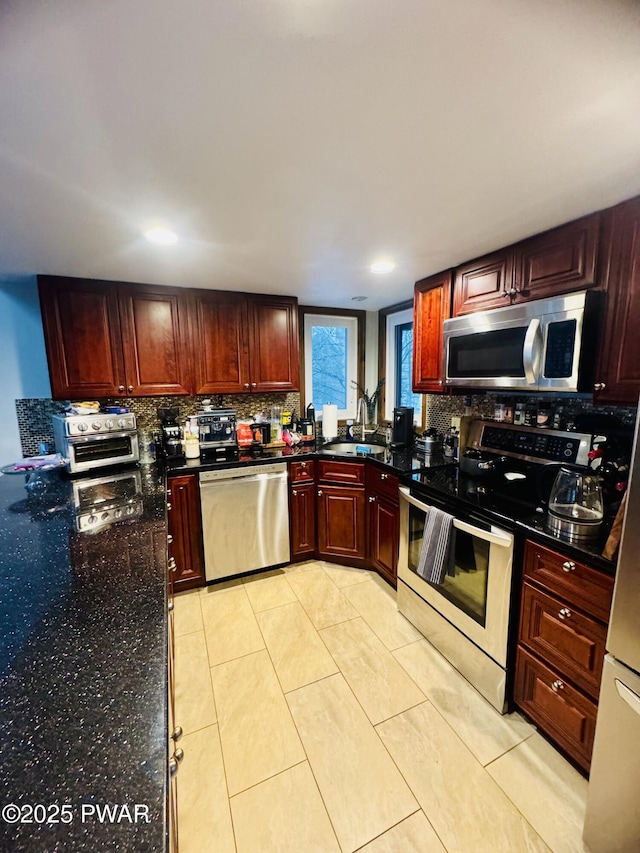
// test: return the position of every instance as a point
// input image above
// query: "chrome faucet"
(361, 414)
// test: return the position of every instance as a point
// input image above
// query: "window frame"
(333, 316)
(389, 319)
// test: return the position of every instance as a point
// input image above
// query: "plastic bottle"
(350, 436)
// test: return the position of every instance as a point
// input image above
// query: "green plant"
(370, 401)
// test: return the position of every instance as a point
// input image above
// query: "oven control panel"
(539, 445)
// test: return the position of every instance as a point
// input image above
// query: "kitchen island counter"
(83, 672)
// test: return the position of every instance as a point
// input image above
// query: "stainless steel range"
(465, 610)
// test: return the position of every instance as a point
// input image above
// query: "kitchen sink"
(351, 448)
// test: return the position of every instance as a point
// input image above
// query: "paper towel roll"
(330, 420)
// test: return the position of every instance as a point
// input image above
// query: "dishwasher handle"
(235, 475)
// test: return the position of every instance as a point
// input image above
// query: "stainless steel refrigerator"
(612, 823)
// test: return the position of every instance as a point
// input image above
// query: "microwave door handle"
(487, 535)
(530, 352)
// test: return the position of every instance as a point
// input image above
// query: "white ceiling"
(290, 143)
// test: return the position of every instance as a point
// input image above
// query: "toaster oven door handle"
(488, 535)
(530, 352)
(85, 439)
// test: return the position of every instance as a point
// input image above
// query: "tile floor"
(316, 718)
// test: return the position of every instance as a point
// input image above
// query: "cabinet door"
(565, 714)
(341, 523)
(82, 338)
(559, 261)
(274, 345)
(384, 531)
(155, 340)
(302, 519)
(618, 374)
(220, 342)
(185, 528)
(484, 283)
(431, 307)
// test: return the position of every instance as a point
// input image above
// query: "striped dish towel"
(436, 553)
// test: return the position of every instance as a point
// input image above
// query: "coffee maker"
(171, 441)
(402, 431)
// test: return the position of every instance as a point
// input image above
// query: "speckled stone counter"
(83, 673)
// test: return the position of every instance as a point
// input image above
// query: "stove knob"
(92, 519)
(96, 425)
(118, 512)
(82, 427)
(130, 510)
(104, 516)
(109, 424)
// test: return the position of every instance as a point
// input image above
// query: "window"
(399, 355)
(331, 343)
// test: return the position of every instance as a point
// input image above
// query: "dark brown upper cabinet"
(431, 307)
(618, 375)
(558, 261)
(107, 339)
(245, 343)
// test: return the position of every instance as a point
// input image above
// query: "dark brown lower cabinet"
(561, 645)
(342, 523)
(384, 528)
(302, 521)
(186, 552)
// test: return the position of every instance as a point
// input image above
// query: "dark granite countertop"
(83, 671)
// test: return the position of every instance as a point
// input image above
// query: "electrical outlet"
(455, 423)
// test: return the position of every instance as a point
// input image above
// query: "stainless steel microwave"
(544, 345)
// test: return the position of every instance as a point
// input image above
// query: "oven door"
(475, 593)
(96, 451)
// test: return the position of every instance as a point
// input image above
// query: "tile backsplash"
(34, 415)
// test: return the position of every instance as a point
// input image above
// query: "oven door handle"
(502, 539)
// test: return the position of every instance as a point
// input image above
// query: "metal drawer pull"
(568, 566)
(168, 507)
(372, 499)
(173, 566)
(383, 476)
(174, 761)
(170, 606)
(319, 493)
(564, 613)
(557, 686)
(293, 492)
(176, 734)
(169, 539)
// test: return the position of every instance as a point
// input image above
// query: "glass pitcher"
(575, 504)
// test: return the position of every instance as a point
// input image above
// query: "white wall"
(23, 361)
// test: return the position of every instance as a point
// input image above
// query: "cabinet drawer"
(382, 482)
(332, 471)
(564, 637)
(302, 472)
(562, 712)
(580, 585)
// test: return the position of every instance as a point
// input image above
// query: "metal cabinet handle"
(568, 566)
(170, 606)
(383, 476)
(319, 493)
(169, 539)
(129, 388)
(254, 384)
(371, 499)
(121, 388)
(599, 386)
(168, 506)
(564, 613)
(176, 734)
(303, 464)
(557, 686)
(246, 385)
(172, 565)
(175, 760)
(294, 492)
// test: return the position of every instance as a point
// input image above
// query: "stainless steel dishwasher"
(245, 519)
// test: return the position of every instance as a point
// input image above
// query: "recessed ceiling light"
(380, 267)
(161, 235)
(359, 298)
